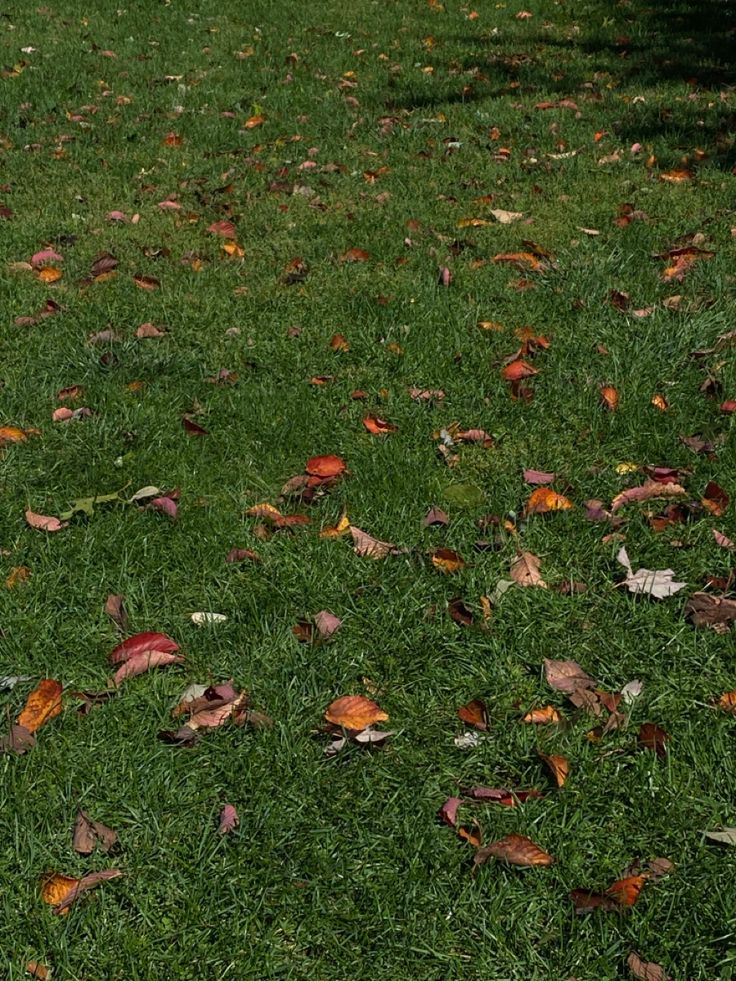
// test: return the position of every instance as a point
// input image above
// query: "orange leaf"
(518, 370)
(715, 499)
(559, 767)
(626, 891)
(172, 139)
(12, 434)
(355, 255)
(254, 121)
(543, 716)
(49, 274)
(265, 510)
(545, 499)
(727, 702)
(660, 402)
(526, 261)
(355, 712)
(325, 466)
(474, 714)
(56, 887)
(676, 176)
(38, 970)
(339, 343)
(609, 395)
(379, 427)
(146, 282)
(447, 560)
(42, 704)
(341, 528)
(18, 574)
(491, 325)
(515, 850)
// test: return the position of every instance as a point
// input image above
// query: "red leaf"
(325, 466)
(141, 644)
(144, 662)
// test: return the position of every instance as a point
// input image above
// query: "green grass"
(339, 870)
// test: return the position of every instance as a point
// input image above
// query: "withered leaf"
(707, 610)
(514, 849)
(88, 833)
(43, 703)
(115, 609)
(525, 570)
(559, 767)
(474, 713)
(62, 891)
(567, 676)
(355, 712)
(645, 970)
(654, 738)
(647, 492)
(368, 547)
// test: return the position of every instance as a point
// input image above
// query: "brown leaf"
(241, 554)
(460, 612)
(18, 574)
(559, 767)
(538, 477)
(474, 713)
(567, 676)
(715, 499)
(645, 970)
(368, 547)
(654, 738)
(115, 609)
(448, 812)
(43, 703)
(585, 901)
(225, 229)
(525, 570)
(229, 820)
(38, 970)
(146, 282)
(325, 466)
(517, 370)
(707, 610)
(506, 798)
(12, 434)
(355, 712)
(62, 891)
(515, 850)
(192, 427)
(19, 740)
(88, 833)
(435, 518)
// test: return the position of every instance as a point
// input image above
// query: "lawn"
(300, 199)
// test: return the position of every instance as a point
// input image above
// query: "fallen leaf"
(447, 560)
(44, 522)
(326, 624)
(225, 229)
(448, 812)
(645, 970)
(544, 499)
(707, 610)
(229, 820)
(43, 703)
(354, 255)
(658, 583)
(89, 833)
(506, 798)
(18, 574)
(368, 547)
(325, 466)
(142, 643)
(625, 892)
(517, 370)
(506, 217)
(147, 282)
(585, 901)
(646, 492)
(354, 712)
(460, 612)
(474, 713)
(514, 849)
(192, 427)
(62, 891)
(559, 767)
(543, 716)
(654, 738)
(18, 740)
(379, 427)
(144, 662)
(715, 499)
(115, 609)
(567, 676)
(727, 702)
(206, 619)
(12, 434)
(241, 554)
(609, 397)
(525, 570)
(538, 477)
(38, 970)
(727, 836)
(435, 518)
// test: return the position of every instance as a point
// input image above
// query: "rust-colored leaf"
(50, 274)
(253, 122)
(517, 370)
(559, 767)
(18, 574)
(525, 261)
(12, 434)
(88, 834)
(447, 560)
(147, 282)
(660, 402)
(715, 499)
(675, 176)
(514, 849)
(474, 713)
(567, 676)
(355, 712)
(339, 343)
(460, 612)
(625, 892)
(355, 255)
(379, 427)
(654, 738)
(609, 397)
(727, 702)
(546, 715)
(36, 969)
(42, 704)
(652, 489)
(544, 499)
(192, 427)
(585, 901)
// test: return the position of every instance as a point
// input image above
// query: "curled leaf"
(514, 849)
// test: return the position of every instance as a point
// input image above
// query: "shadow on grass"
(632, 48)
